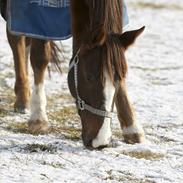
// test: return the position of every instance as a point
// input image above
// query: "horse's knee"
(40, 57)
(40, 53)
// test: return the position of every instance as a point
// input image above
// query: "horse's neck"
(87, 15)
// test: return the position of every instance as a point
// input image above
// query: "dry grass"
(3, 112)
(64, 115)
(70, 133)
(146, 154)
(125, 176)
(18, 127)
(33, 148)
(62, 120)
(57, 99)
(7, 99)
(66, 122)
(157, 6)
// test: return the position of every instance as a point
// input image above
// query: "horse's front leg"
(132, 131)
(22, 90)
(40, 56)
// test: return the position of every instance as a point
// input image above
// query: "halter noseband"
(81, 104)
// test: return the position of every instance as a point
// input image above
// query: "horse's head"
(95, 72)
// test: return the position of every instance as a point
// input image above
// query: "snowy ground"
(155, 84)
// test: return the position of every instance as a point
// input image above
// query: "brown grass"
(62, 120)
(157, 6)
(33, 148)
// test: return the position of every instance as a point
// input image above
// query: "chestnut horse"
(96, 77)
(98, 69)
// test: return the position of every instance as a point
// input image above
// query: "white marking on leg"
(38, 104)
(133, 129)
(104, 134)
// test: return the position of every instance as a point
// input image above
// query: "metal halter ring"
(81, 105)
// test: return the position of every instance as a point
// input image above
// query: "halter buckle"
(81, 105)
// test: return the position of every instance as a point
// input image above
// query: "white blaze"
(38, 103)
(104, 134)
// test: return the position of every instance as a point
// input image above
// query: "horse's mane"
(113, 55)
(108, 13)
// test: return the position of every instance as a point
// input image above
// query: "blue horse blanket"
(43, 19)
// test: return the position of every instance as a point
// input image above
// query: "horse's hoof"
(134, 138)
(38, 127)
(21, 110)
(21, 107)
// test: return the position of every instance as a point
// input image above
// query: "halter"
(81, 104)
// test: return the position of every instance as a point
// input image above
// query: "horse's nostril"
(102, 147)
(87, 142)
(89, 145)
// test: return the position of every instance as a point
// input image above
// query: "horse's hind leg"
(40, 56)
(132, 131)
(22, 91)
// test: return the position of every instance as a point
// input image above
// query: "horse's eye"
(91, 77)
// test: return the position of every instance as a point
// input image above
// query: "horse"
(96, 77)
(98, 69)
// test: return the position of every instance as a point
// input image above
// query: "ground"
(155, 85)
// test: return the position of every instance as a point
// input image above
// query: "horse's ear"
(129, 37)
(99, 36)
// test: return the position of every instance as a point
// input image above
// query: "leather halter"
(81, 104)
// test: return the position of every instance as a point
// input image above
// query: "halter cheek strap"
(81, 104)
